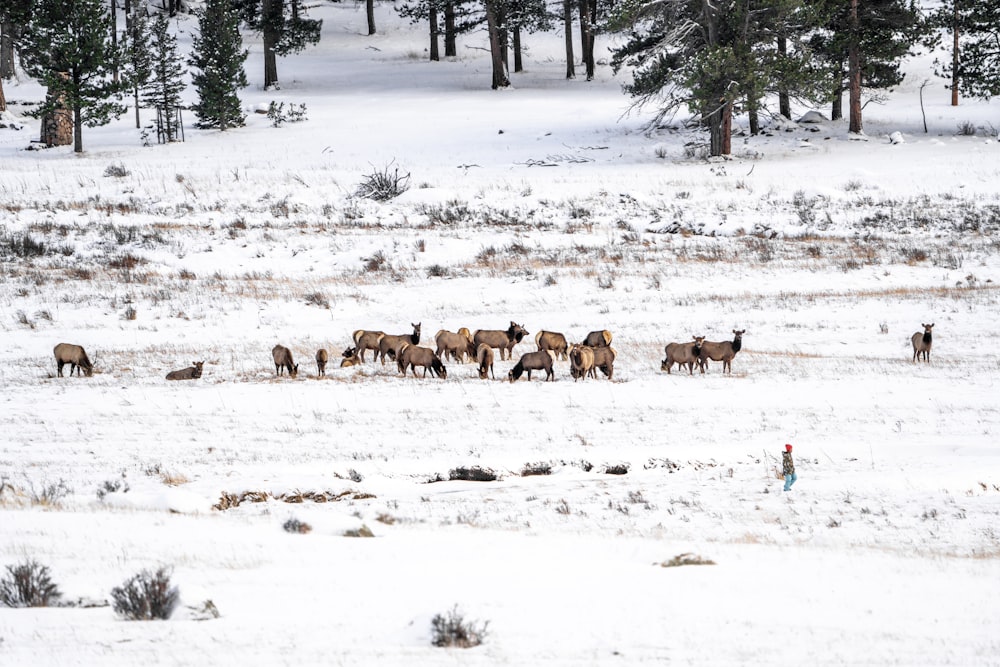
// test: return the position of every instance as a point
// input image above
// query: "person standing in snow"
(788, 467)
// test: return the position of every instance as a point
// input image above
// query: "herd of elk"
(585, 358)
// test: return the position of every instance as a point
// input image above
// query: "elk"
(321, 358)
(604, 358)
(74, 355)
(922, 343)
(724, 351)
(484, 355)
(458, 345)
(552, 340)
(388, 344)
(581, 362)
(366, 340)
(413, 355)
(533, 361)
(502, 340)
(598, 339)
(189, 373)
(682, 354)
(351, 357)
(283, 361)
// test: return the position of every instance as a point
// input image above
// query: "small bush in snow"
(28, 585)
(686, 559)
(473, 474)
(966, 129)
(295, 526)
(146, 596)
(49, 494)
(536, 469)
(112, 486)
(318, 299)
(116, 171)
(384, 185)
(279, 115)
(453, 630)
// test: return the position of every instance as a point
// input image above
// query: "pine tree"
(865, 41)
(284, 27)
(68, 48)
(218, 56)
(139, 66)
(707, 57)
(165, 84)
(974, 27)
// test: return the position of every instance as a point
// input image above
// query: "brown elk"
(502, 340)
(351, 357)
(366, 340)
(581, 362)
(724, 351)
(189, 373)
(75, 356)
(922, 343)
(682, 354)
(598, 339)
(411, 355)
(457, 345)
(604, 358)
(283, 361)
(389, 344)
(552, 340)
(533, 361)
(484, 355)
(322, 356)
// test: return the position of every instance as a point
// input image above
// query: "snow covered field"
(546, 204)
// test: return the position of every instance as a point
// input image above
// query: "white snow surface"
(553, 205)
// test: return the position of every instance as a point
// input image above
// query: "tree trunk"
(500, 79)
(837, 105)
(6, 50)
(727, 128)
(568, 31)
(270, 39)
(114, 40)
(754, 117)
(370, 11)
(57, 126)
(854, 70)
(450, 43)
(433, 20)
(587, 38)
(3, 100)
(954, 60)
(518, 65)
(784, 102)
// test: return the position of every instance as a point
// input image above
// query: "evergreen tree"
(165, 84)
(865, 41)
(218, 56)
(284, 27)
(140, 62)
(707, 57)
(68, 49)
(974, 66)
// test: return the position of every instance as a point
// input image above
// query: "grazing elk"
(74, 355)
(598, 339)
(502, 340)
(533, 361)
(581, 362)
(412, 355)
(189, 373)
(389, 344)
(351, 357)
(552, 340)
(484, 355)
(457, 345)
(682, 354)
(366, 340)
(724, 351)
(322, 356)
(922, 343)
(604, 358)
(283, 361)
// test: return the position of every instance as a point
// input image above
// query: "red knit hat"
(788, 448)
